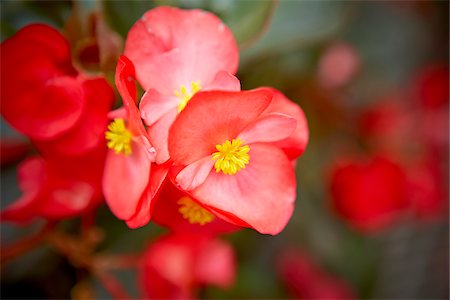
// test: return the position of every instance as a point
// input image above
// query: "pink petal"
(192, 44)
(261, 195)
(295, 144)
(125, 179)
(269, 128)
(148, 199)
(154, 106)
(215, 264)
(159, 134)
(210, 119)
(194, 174)
(224, 81)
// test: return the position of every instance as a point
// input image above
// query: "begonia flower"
(130, 180)
(57, 188)
(306, 280)
(369, 195)
(176, 54)
(176, 266)
(226, 146)
(44, 97)
(180, 212)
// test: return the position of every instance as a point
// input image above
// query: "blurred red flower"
(57, 188)
(175, 266)
(177, 53)
(44, 97)
(369, 195)
(306, 280)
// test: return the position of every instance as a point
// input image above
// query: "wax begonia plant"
(217, 125)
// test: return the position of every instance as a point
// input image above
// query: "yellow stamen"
(119, 137)
(231, 157)
(186, 95)
(193, 212)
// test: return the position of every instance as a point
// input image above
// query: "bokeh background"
(358, 69)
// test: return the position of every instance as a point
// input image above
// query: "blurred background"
(372, 78)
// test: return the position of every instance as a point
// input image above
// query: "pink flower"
(232, 163)
(338, 65)
(175, 266)
(130, 180)
(306, 280)
(177, 53)
(369, 195)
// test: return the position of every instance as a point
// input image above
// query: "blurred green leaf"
(248, 20)
(121, 15)
(300, 23)
(16, 14)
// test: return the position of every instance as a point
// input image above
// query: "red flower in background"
(56, 189)
(369, 195)
(177, 53)
(44, 97)
(63, 112)
(175, 266)
(306, 280)
(228, 148)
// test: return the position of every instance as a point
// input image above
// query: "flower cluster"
(194, 154)
(196, 150)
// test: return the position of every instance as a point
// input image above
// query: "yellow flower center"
(231, 157)
(119, 137)
(193, 212)
(186, 95)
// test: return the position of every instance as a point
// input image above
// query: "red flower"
(226, 143)
(46, 99)
(130, 180)
(368, 195)
(306, 280)
(175, 266)
(56, 188)
(177, 53)
(181, 213)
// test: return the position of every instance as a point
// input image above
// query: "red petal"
(90, 130)
(296, 143)
(148, 201)
(211, 118)
(261, 195)
(195, 174)
(166, 214)
(125, 179)
(269, 128)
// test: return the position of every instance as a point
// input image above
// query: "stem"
(111, 284)
(26, 244)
